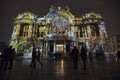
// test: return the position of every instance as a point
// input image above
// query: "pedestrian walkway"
(100, 69)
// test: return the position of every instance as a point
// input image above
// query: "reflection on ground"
(100, 69)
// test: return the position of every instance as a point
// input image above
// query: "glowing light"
(59, 7)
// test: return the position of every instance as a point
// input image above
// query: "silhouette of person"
(38, 57)
(12, 57)
(49, 55)
(74, 55)
(5, 57)
(118, 55)
(83, 55)
(90, 55)
(33, 64)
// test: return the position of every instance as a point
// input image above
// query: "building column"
(64, 47)
(46, 48)
(54, 44)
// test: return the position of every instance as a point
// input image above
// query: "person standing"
(118, 56)
(83, 55)
(12, 57)
(74, 55)
(90, 54)
(6, 57)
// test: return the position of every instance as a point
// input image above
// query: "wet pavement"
(100, 69)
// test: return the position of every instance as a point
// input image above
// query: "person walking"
(38, 58)
(33, 63)
(74, 55)
(83, 55)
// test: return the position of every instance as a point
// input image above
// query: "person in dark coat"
(38, 57)
(12, 57)
(83, 55)
(6, 57)
(74, 55)
(33, 63)
(118, 56)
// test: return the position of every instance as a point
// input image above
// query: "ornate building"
(57, 31)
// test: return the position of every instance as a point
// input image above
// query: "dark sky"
(9, 9)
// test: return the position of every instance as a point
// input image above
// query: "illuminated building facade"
(58, 31)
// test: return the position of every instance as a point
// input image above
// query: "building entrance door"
(59, 48)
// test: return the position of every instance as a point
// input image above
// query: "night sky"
(9, 9)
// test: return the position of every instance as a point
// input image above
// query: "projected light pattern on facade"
(57, 31)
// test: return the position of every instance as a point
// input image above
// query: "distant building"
(57, 31)
(115, 43)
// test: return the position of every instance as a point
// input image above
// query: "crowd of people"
(86, 55)
(8, 56)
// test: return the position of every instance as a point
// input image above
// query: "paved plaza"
(99, 69)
